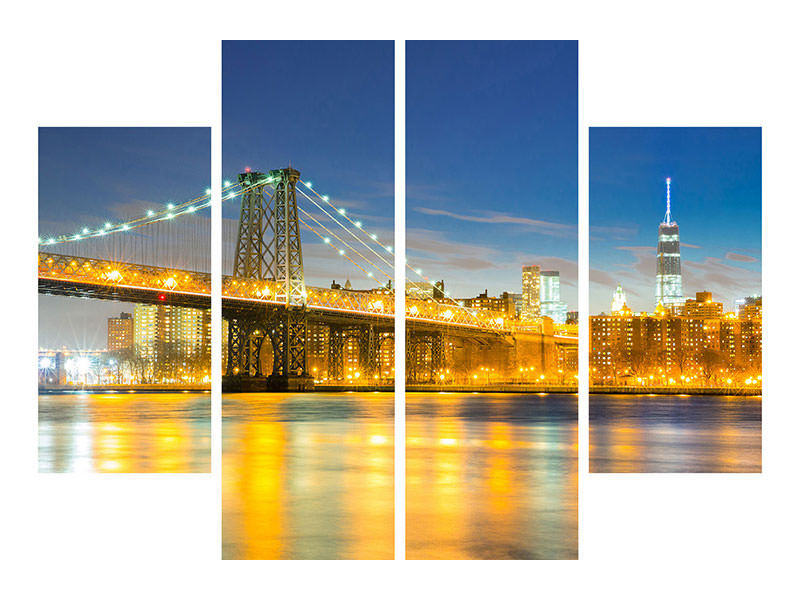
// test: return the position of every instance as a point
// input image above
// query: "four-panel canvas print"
(311, 289)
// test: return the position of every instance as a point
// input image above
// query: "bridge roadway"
(104, 279)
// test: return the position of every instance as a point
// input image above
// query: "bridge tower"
(268, 248)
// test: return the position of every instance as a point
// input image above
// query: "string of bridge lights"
(327, 240)
(169, 212)
(341, 252)
(358, 225)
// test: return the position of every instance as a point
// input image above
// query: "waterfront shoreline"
(666, 391)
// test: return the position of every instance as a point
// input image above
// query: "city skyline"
(90, 175)
(512, 128)
(715, 180)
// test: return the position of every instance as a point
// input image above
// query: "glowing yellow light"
(114, 276)
(170, 282)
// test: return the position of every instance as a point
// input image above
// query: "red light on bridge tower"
(162, 297)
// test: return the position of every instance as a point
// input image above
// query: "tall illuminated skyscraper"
(550, 296)
(530, 291)
(669, 288)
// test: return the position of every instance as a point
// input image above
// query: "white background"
(154, 63)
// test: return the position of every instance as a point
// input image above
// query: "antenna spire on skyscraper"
(669, 286)
(668, 216)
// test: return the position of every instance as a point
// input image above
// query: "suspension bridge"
(280, 333)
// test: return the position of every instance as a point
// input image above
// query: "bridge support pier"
(290, 365)
(286, 330)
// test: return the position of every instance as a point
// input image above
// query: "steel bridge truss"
(430, 311)
(112, 280)
(268, 246)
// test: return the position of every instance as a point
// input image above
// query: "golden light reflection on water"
(124, 433)
(673, 434)
(491, 476)
(308, 476)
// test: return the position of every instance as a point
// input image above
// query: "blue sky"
(326, 108)
(90, 175)
(491, 160)
(716, 200)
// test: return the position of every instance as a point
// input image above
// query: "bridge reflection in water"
(125, 433)
(491, 476)
(308, 476)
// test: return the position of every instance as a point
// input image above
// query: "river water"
(125, 433)
(308, 476)
(674, 434)
(491, 476)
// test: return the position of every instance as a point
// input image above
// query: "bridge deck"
(112, 280)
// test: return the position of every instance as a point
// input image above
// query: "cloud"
(688, 245)
(436, 254)
(726, 281)
(536, 225)
(601, 232)
(740, 257)
(636, 249)
(602, 278)
(469, 268)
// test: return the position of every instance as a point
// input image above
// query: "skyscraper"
(550, 297)
(530, 292)
(668, 263)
